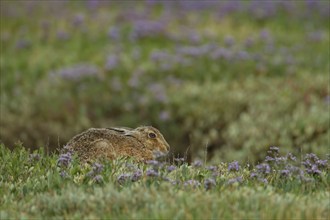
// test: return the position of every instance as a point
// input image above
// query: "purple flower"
(313, 170)
(269, 159)
(123, 178)
(78, 20)
(322, 163)
(243, 55)
(111, 62)
(145, 28)
(98, 179)
(62, 35)
(155, 164)
(158, 154)
(263, 168)
(64, 160)
(263, 180)
(152, 173)
(192, 183)
(233, 166)
(222, 53)
(197, 163)
(164, 115)
(77, 72)
(209, 183)
(265, 35)
(64, 174)
(23, 44)
(136, 175)
(235, 180)
(285, 172)
(254, 175)
(158, 91)
(274, 149)
(114, 33)
(291, 157)
(211, 168)
(97, 168)
(174, 182)
(171, 168)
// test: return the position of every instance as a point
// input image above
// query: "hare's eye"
(152, 135)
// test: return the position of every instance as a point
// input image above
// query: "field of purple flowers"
(281, 186)
(221, 78)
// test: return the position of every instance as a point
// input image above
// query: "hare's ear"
(131, 133)
(120, 130)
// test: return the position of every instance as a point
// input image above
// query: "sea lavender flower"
(263, 180)
(77, 72)
(98, 179)
(285, 172)
(152, 173)
(197, 163)
(123, 178)
(263, 168)
(62, 35)
(146, 28)
(265, 35)
(171, 168)
(243, 55)
(238, 179)
(254, 175)
(155, 164)
(97, 168)
(211, 168)
(164, 115)
(233, 166)
(269, 159)
(64, 160)
(313, 170)
(111, 62)
(159, 92)
(114, 33)
(64, 174)
(136, 175)
(158, 154)
(192, 183)
(209, 183)
(23, 44)
(322, 163)
(78, 20)
(222, 53)
(291, 157)
(174, 182)
(273, 150)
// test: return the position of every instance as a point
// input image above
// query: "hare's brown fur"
(140, 143)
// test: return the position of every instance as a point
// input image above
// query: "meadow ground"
(281, 187)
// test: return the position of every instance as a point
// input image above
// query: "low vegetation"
(33, 185)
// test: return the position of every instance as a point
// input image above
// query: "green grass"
(35, 189)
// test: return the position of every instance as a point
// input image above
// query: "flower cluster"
(77, 72)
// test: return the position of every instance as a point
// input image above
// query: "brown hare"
(141, 143)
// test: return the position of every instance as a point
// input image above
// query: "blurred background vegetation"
(226, 79)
